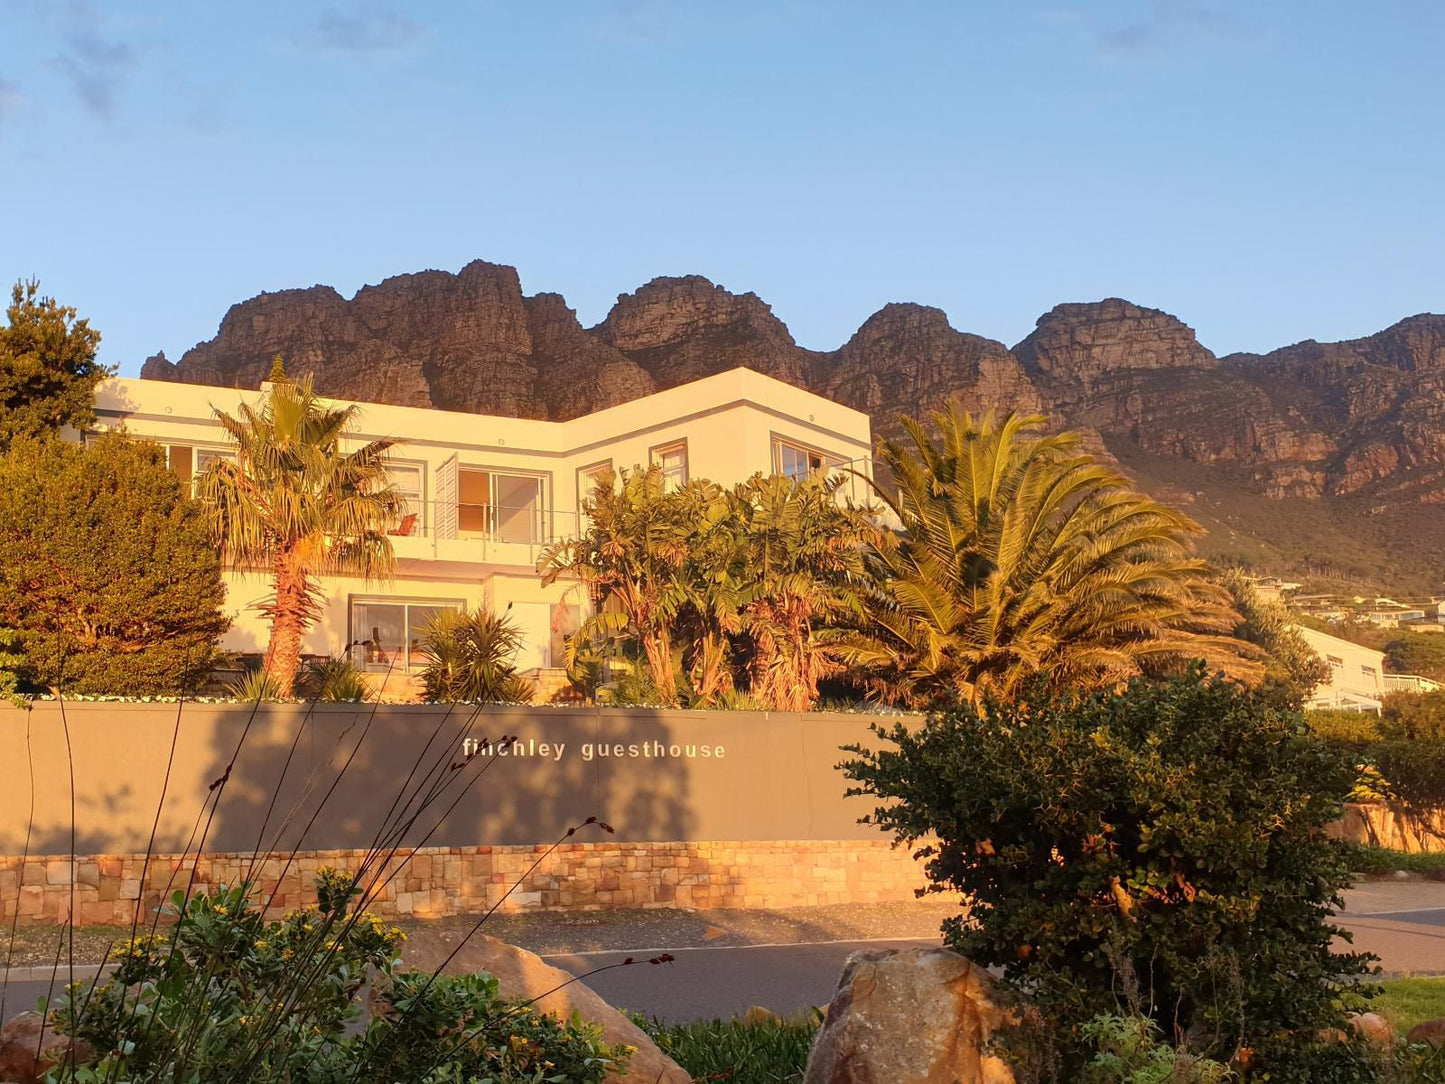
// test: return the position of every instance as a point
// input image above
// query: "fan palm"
(295, 504)
(1021, 558)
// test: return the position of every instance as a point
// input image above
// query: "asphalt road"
(719, 981)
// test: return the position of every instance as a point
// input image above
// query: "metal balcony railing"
(526, 524)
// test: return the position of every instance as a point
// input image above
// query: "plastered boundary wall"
(709, 809)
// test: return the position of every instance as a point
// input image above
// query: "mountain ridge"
(1356, 426)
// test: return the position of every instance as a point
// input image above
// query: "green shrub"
(1131, 1050)
(470, 659)
(336, 681)
(1346, 728)
(107, 569)
(737, 1051)
(222, 995)
(1169, 837)
(48, 371)
(257, 687)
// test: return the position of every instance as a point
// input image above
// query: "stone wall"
(1381, 825)
(439, 881)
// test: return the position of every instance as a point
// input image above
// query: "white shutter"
(446, 498)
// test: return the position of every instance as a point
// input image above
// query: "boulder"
(1374, 1027)
(523, 974)
(1428, 1031)
(29, 1045)
(917, 1016)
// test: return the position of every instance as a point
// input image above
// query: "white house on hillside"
(1356, 681)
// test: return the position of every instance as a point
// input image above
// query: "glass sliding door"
(517, 508)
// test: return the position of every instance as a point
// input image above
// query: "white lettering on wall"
(589, 751)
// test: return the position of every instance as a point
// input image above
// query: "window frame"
(657, 451)
(827, 461)
(406, 602)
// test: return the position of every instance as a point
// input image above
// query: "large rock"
(523, 974)
(919, 1016)
(29, 1045)
(1428, 1031)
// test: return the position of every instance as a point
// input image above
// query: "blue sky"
(1268, 172)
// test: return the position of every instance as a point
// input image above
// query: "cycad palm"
(803, 560)
(1021, 557)
(293, 503)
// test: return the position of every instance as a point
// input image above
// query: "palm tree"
(293, 503)
(630, 560)
(1021, 558)
(804, 565)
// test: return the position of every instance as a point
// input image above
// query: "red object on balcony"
(407, 524)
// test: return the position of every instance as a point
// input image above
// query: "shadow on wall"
(333, 778)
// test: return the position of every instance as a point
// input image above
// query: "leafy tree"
(297, 505)
(1421, 653)
(1292, 669)
(802, 557)
(48, 370)
(471, 658)
(109, 580)
(630, 560)
(1020, 556)
(1169, 836)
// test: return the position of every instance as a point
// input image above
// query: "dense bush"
(1166, 838)
(221, 995)
(108, 575)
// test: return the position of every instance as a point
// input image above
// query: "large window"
(499, 506)
(796, 461)
(385, 634)
(672, 458)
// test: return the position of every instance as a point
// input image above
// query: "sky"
(1268, 172)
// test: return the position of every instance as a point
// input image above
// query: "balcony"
(495, 534)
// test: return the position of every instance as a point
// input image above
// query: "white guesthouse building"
(486, 494)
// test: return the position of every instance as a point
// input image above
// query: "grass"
(1405, 1002)
(738, 1051)
(1382, 860)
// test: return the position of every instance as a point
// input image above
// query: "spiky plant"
(298, 506)
(1021, 558)
(337, 681)
(471, 658)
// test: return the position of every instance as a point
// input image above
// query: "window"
(1370, 673)
(590, 478)
(406, 479)
(1337, 664)
(385, 634)
(796, 461)
(498, 506)
(188, 461)
(672, 458)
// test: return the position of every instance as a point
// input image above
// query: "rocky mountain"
(1316, 455)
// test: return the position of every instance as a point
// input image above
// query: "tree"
(1020, 556)
(1292, 669)
(296, 505)
(1421, 653)
(109, 580)
(1169, 835)
(630, 560)
(48, 371)
(802, 559)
